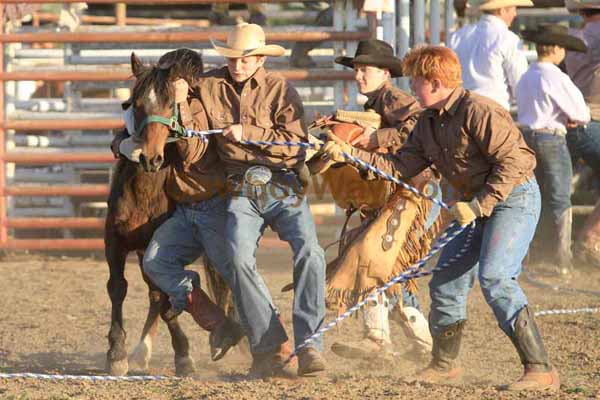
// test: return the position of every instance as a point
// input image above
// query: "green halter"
(172, 123)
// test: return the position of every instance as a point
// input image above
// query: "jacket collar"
(451, 105)
(376, 94)
(454, 100)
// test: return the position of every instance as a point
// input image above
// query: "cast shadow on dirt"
(56, 363)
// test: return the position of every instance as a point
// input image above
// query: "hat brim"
(392, 63)
(271, 50)
(553, 39)
(496, 4)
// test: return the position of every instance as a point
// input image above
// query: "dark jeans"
(584, 143)
(554, 173)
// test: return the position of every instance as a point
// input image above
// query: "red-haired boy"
(474, 143)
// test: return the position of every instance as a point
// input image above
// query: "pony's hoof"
(184, 366)
(117, 368)
(140, 357)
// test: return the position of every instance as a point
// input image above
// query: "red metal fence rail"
(29, 158)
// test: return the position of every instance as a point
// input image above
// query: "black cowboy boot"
(539, 374)
(446, 346)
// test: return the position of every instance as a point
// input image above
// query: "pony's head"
(156, 116)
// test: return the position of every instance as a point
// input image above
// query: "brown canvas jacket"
(472, 141)
(199, 175)
(399, 112)
(268, 108)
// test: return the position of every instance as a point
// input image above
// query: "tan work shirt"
(199, 174)
(268, 108)
(399, 112)
(472, 141)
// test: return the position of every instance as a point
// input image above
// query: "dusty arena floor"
(55, 317)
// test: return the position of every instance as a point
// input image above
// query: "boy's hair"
(544, 50)
(433, 62)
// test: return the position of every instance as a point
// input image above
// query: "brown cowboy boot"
(224, 333)
(446, 346)
(539, 374)
(265, 365)
(310, 361)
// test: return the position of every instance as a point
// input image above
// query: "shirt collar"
(492, 19)
(546, 65)
(454, 100)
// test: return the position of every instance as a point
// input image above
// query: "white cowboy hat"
(247, 40)
(487, 5)
(575, 5)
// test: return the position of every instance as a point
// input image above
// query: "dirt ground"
(55, 317)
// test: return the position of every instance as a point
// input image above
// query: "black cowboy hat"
(554, 35)
(374, 52)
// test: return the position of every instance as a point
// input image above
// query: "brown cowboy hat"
(554, 35)
(374, 52)
(246, 40)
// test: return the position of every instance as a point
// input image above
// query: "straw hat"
(554, 35)
(575, 5)
(374, 52)
(246, 40)
(487, 5)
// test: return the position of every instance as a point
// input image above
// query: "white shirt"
(547, 98)
(491, 59)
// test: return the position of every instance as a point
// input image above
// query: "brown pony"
(137, 205)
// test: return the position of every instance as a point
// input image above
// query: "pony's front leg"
(116, 357)
(184, 363)
(142, 353)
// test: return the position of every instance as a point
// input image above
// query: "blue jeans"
(290, 217)
(585, 143)
(408, 300)
(192, 230)
(554, 172)
(499, 244)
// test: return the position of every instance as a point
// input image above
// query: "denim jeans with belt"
(249, 212)
(192, 230)
(554, 173)
(499, 244)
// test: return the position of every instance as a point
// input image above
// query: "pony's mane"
(180, 63)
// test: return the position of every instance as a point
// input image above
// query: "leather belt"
(554, 132)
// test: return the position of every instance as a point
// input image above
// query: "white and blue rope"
(367, 166)
(583, 310)
(413, 272)
(89, 378)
